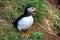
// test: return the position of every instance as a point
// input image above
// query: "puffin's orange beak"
(35, 11)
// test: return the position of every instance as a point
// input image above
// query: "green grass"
(15, 8)
(57, 21)
(7, 32)
(12, 10)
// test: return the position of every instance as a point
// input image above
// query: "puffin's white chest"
(25, 22)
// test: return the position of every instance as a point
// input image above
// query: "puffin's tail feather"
(14, 25)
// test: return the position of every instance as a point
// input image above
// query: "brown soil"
(48, 36)
(54, 3)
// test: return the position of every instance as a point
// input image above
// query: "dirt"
(54, 3)
(36, 28)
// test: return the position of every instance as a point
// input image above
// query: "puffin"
(25, 21)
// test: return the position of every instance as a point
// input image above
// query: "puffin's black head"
(29, 10)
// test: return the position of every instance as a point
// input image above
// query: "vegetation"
(11, 9)
(14, 8)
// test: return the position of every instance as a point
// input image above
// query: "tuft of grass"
(37, 36)
(57, 20)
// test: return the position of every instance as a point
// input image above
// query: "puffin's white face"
(31, 10)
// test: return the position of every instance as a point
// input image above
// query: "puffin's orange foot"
(25, 34)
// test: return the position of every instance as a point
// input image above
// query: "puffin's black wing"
(19, 18)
